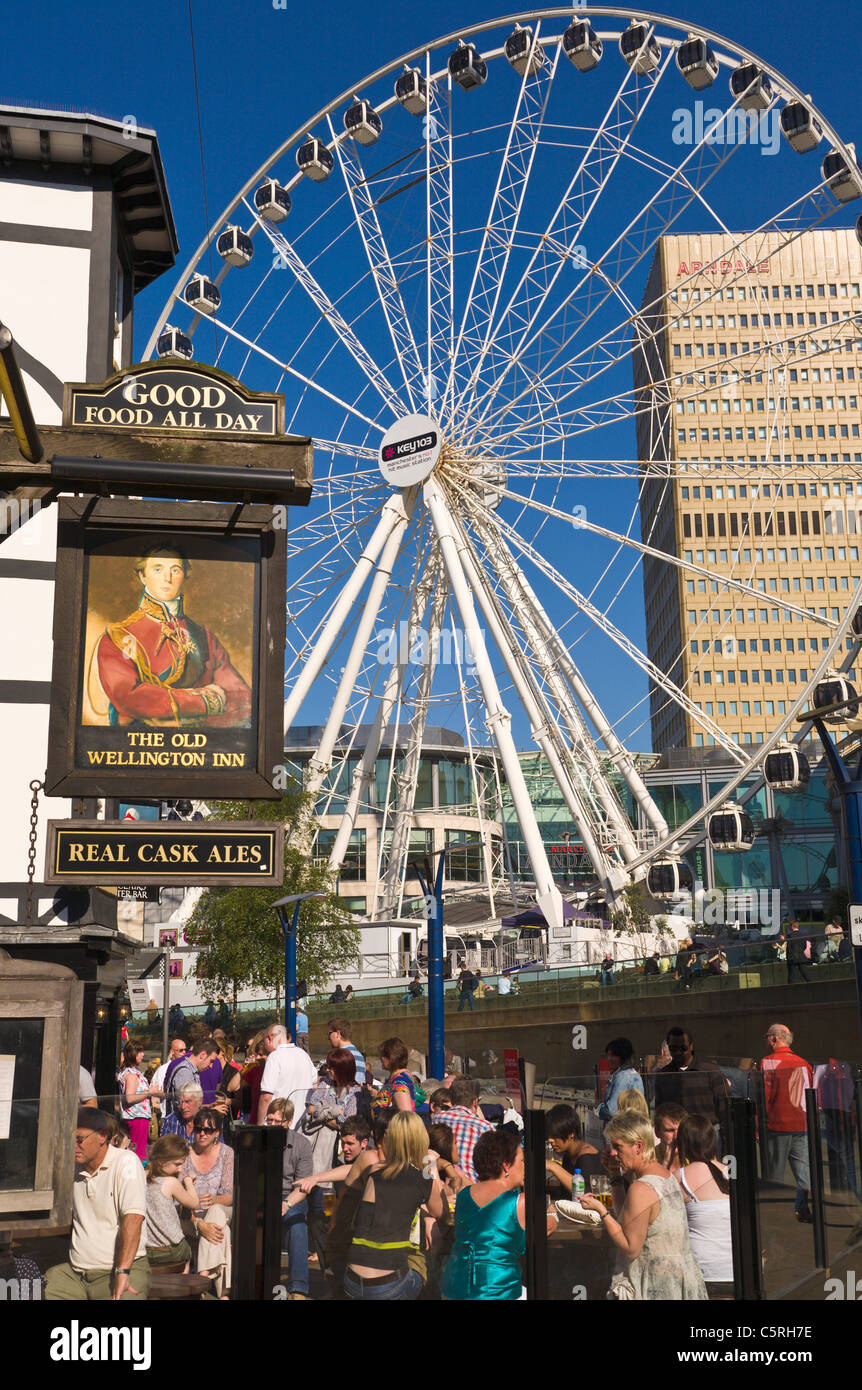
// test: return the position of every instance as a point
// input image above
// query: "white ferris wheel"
(445, 271)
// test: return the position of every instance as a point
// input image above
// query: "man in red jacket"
(785, 1078)
(158, 667)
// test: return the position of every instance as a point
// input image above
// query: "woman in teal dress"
(490, 1217)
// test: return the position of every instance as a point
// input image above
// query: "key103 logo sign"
(410, 450)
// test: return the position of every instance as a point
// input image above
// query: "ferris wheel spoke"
(300, 376)
(559, 241)
(637, 241)
(652, 220)
(393, 519)
(440, 257)
(585, 802)
(619, 638)
(556, 662)
(427, 580)
(332, 316)
(674, 561)
(320, 762)
(385, 279)
(408, 774)
(616, 345)
(506, 204)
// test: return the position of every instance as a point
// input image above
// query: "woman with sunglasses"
(210, 1164)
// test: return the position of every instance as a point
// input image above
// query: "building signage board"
(170, 853)
(169, 631)
(175, 396)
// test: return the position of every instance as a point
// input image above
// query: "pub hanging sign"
(169, 633)
(174, 397)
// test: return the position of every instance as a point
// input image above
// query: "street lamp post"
(289, 927)
(849, 787)
(434, 901)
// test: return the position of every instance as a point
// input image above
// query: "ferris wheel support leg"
(321, 760)
(512, 581)
(393, 883)
(547, 894)
(394, 514)
(609, 875)
(365, 771)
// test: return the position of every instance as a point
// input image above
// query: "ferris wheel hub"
(410, 450)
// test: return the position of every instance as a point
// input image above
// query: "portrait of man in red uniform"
(159, 668)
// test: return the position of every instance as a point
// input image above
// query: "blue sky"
(263, 71)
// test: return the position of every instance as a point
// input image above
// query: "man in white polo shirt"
(108, 1253)
(289, 1073)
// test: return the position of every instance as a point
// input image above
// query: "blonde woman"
(394, 1191)
(634, 1102)
(651, 1231)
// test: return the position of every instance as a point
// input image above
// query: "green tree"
(237, 934)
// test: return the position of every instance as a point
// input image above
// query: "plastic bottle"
(579, 1187)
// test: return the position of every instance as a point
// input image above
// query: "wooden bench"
(168, 1284)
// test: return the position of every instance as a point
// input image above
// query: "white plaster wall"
(27, 615)
(25, 744)
(44, 294)
(45, 291)
(47, 205)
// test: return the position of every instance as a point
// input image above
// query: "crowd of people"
(404, 1187)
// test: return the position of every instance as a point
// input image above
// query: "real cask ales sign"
(168, 853)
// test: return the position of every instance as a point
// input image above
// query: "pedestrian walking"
(785, 1079)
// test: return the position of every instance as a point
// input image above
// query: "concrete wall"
(824, 1019)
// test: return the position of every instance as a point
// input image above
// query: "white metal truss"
(499, 719)
(408, 775)
(440, 268)
(385, 276)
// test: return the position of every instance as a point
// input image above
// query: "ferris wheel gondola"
(668, 877)
(800, 127)
(411, 90)
(362, 122)
(697, 63)
(834, 688)
(272, 201)
(235, 247)
(582, 46)
(731, 828)
(467, 66)
(172, 342)
(315, 160)
(751, 87)
(202, 295)
(842, 178)
(640, 48)
(786, 769)
(521, 51)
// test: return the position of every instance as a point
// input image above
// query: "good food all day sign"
(155, 396)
